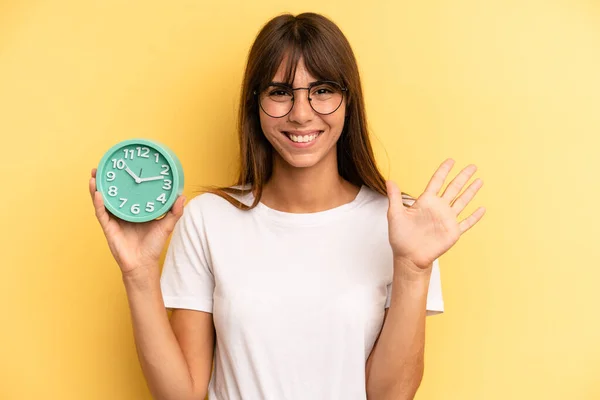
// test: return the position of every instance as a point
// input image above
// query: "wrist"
(406, 269)
(142, 278)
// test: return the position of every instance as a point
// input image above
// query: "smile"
(304, 138)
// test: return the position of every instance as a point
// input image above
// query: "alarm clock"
(139, 179)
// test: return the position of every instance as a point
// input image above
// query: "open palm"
(428, 228)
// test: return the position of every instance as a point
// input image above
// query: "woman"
(285, 279)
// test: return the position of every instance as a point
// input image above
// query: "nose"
(301, 112)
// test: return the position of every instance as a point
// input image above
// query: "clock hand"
(134, 176)
(153, 178)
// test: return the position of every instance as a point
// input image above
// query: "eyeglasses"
(324, 97)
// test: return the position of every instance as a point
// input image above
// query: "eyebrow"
(274, 83)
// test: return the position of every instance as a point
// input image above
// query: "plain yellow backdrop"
(511, 86)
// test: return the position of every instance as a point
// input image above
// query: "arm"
(176, 360)
(395, 366)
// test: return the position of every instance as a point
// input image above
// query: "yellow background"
(512, 86)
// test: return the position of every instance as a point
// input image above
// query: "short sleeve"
(435, 301)
(187, 280)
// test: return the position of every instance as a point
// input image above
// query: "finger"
(169, 221)
(92, 187)
(465, 198)
(394, 196)
(94, 170)
(439, 177)
(101, 213)
(471, 220)
(458, 183)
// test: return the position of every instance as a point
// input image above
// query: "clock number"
(123, 201)
(149, 206)
(165, 171)
(162, 198)
(156, 155)
(167, 184)
(135, 208)
(110, 176)
(112, 191)
(128, 152)
(119, 164)
(145, 151)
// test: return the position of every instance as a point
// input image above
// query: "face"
(303, 138)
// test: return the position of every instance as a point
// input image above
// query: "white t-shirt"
(297, 299)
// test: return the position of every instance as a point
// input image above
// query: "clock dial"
(138, 180)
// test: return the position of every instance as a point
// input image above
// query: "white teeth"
(302, 139)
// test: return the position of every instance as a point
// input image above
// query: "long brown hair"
(327, 56)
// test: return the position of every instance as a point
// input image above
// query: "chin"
(301, 162)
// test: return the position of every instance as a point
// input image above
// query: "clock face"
(138, 182)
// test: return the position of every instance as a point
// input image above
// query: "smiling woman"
(296, 316)
(285, 278)
(280, 126)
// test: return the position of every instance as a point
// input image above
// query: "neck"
(307, 190)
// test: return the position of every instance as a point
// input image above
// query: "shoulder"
(208, 202)
(211, 205)
(376, 199)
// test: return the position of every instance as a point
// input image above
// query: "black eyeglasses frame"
(344, 90)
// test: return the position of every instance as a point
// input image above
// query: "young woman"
(285, 279)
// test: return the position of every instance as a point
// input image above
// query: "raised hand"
(428, 228)
(135, 246)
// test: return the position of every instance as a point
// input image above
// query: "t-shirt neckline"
(314, 218)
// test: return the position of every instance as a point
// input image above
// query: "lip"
(303, 133)
(319, 133)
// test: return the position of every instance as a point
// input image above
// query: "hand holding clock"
(135, 246)
(137, 219)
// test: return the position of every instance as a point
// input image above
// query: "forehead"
(302, 75)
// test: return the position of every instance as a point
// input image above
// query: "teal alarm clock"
(139, 179)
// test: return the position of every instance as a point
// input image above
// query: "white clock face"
(138, 180)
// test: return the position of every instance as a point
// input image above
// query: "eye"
(323, 90)
(279, 93)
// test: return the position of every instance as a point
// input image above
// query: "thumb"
(173, 215)
(394, 196)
